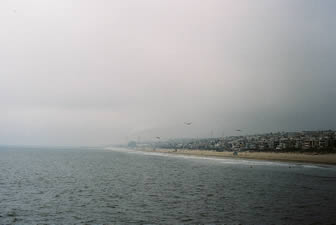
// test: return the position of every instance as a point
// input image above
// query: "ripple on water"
(103, 187)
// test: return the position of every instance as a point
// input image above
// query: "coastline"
(268, 156)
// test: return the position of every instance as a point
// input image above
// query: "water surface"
(92, 186)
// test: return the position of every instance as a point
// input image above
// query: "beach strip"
(272, 156)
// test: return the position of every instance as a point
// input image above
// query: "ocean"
(98, 186)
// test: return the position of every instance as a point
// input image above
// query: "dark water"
(73, 186)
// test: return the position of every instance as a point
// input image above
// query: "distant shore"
(272, 156)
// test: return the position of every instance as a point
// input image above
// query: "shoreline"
(329, 158)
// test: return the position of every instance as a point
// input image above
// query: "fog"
(103, 72)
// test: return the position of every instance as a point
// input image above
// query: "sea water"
(97, 186)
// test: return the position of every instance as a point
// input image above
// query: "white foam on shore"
(250, 162)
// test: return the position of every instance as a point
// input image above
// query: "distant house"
(309, 143)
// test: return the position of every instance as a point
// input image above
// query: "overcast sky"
(89, 72)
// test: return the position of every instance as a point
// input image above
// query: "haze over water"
(72, 186)
(108, 73)
(98, 72)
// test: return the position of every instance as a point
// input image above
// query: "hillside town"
(305, 141)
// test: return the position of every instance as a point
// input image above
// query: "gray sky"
(88, 72)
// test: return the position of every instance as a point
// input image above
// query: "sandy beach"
(295, 157)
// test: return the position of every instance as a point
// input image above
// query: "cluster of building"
(282, 141)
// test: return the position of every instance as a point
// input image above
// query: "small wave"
(311, 166)
(249, 162)
(216, 159)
